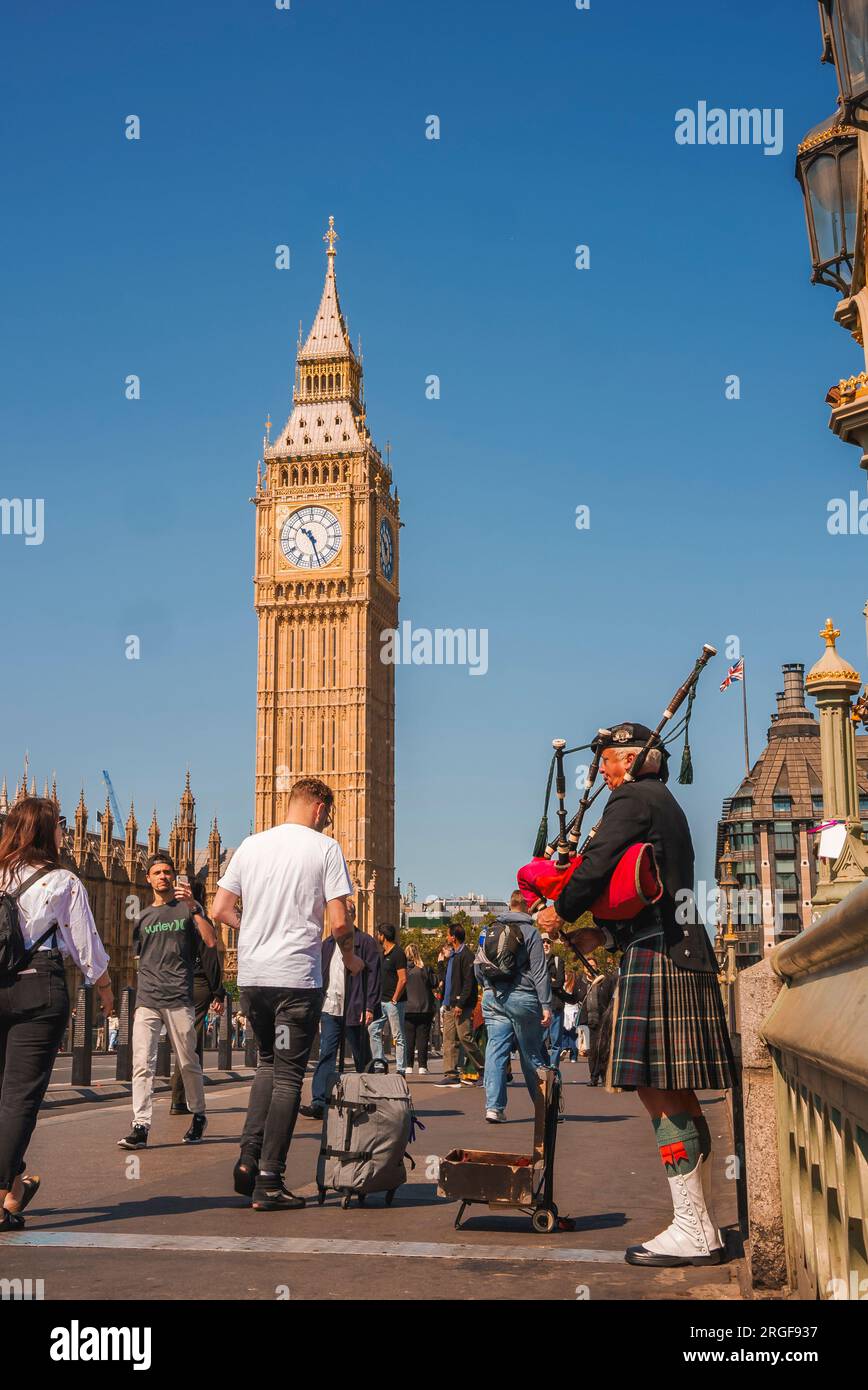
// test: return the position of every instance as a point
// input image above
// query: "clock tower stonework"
(325, 589)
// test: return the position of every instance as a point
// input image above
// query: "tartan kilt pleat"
(669, 1028)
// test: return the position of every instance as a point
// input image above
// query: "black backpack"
(497, 956)
(14, 955)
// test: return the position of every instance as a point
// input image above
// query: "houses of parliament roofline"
(113, 868)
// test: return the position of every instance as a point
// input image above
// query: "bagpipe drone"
(635, 882)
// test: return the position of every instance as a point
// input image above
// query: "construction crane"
(113, 801)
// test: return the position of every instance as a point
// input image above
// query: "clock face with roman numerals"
(311, 537)
(387, 549)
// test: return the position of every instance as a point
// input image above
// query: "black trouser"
(34, 1010)
(597, 1055)
(201, 1001)
(417, 1032)
(285, 1023)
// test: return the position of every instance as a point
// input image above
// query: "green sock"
(704, 1134)
(678, 1141)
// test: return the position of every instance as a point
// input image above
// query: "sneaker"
(469, 1081)
(494, 1117)
(451, 1081)
(269, 1194)
(182, 1109)
(423, 1071)
(244, 1175)
(136, 1139)
(196, 1130)
(311, 1112)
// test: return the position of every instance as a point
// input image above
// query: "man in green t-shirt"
(166, 936)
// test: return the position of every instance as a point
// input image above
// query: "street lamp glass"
(827, 167)
(851, 32)
(834, 215)
(846, 24)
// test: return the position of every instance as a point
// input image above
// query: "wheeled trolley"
(506, 1181)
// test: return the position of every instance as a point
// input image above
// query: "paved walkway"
(166, 1223)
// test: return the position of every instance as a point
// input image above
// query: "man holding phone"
(166, 936)
(208, 997)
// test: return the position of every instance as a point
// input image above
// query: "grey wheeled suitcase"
(368, 1125)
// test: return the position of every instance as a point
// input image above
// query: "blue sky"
(559, 387)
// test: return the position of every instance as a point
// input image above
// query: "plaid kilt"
(669, 1029)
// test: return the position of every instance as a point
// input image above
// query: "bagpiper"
(669, 1034)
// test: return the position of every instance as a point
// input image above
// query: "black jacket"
(597, 999)
(209, 969)
(364, 988)
(463, 990)
(642, 811)
(558, 977)
(419, 997)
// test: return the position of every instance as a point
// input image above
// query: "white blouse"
(60, 897)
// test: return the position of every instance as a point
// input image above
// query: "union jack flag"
(735, 673)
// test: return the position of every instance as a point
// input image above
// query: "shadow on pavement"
(127, 1211)
(497, 1224)
(594, 1119)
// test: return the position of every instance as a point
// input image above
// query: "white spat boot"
(705, 1164)
(692, 1238)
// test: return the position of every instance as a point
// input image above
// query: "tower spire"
(331, 237)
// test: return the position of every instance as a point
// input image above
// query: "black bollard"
(124, 1067)
(82, 1038)
(164, 1058)
(224, 1037)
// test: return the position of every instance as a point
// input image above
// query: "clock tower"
(325, 589)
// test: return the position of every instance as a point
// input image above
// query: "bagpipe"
(635, 882)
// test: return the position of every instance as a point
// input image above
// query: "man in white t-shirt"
(290, 879)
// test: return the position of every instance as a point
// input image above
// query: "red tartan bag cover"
(635, 883)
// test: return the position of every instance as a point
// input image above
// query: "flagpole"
(744, 708)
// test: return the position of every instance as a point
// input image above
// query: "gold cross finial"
(331, 236)
(830, 632)
(268, 423)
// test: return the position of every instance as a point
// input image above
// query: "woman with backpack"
(44, 916)
(419, 1015)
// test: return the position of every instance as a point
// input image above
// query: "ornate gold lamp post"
(727, 940)
(830, 167)
(833, 682)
